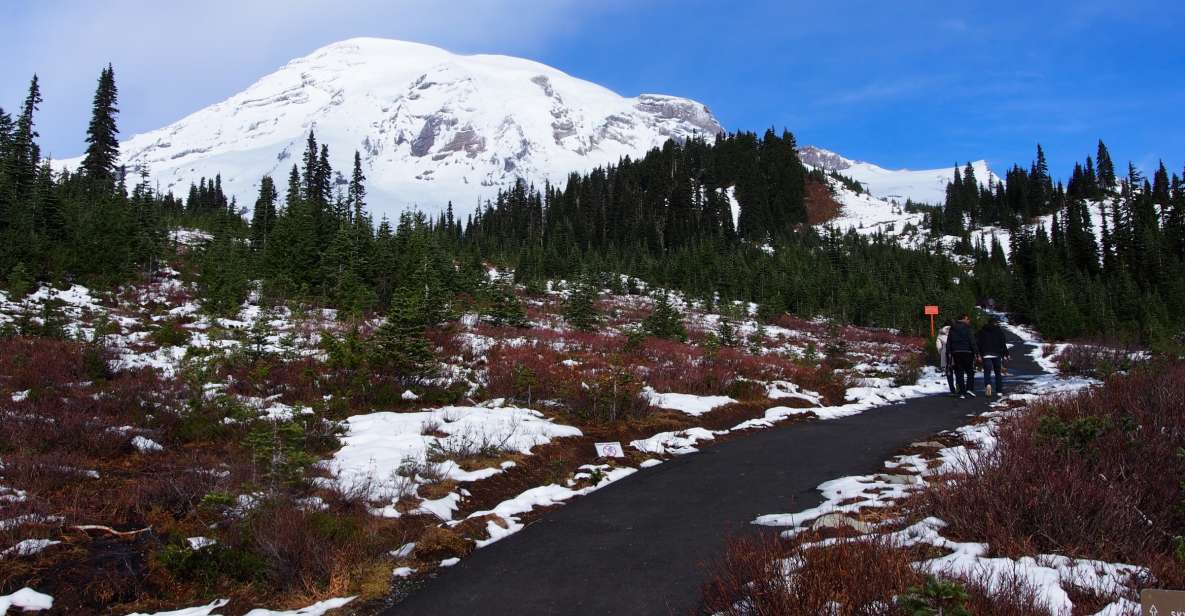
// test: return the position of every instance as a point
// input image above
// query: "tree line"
(721, 219)
(1102, 255)
(85, 225)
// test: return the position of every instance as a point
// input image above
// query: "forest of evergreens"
(666, 218)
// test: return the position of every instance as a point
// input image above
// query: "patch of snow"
(28, 547)
(676, 443)
(541, 496)
(686, 403)
(197, 543)
(316, 609)
(379, 446)
(26, 599)
(146, 445)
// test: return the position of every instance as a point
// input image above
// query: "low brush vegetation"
(1094, 475)
(177, 456)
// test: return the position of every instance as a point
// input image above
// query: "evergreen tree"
(400, 348)
(580, 309)
(23, 152)
(263, 217)
(356, 198)
(1106, 169)
(665, 321)
(726, 333)
(224, 277)
(102, 151)
(505, 306)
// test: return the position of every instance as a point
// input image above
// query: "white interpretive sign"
(609, 450)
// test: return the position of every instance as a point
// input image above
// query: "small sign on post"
(609, 450)
(931, 311)
(1162, 602)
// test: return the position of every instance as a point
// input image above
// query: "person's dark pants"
(950, 374)
(965, 371)
(993, 365)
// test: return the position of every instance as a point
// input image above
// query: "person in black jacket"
(960, 343)
(993, 349)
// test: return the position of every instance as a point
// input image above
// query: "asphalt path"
(641, 546)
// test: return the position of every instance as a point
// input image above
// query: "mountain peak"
(431, 126)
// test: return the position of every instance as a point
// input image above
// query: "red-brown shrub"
(852, 577)
(1094, 475)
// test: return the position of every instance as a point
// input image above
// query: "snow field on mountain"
(431, 126)
(925, 186)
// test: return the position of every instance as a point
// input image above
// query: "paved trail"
(639, 546)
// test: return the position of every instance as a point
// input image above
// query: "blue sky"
(902, 83)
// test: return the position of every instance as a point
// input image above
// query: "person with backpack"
(993, 349)
(945, 361)
(961, 344)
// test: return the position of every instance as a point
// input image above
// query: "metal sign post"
(931, 311)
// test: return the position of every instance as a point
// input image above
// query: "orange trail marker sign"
(931, 311)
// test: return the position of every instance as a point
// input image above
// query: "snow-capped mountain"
(925, 186)
(431, 126)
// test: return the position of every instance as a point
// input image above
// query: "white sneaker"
(970, 393)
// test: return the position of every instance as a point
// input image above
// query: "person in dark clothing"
(961, 344)
(993, 349)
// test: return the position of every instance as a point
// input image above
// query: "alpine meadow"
(396, 329)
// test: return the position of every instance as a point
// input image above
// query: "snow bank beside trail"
(686, 403)
(781, 390)
(316, 609)
(542, 496)
(1050, 574)
(385, 453)
(876, 393)
(201, 610)
(676, 443)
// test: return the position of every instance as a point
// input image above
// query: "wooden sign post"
(931, 311)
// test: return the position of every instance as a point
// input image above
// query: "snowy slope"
(868, 215)
(432, 126)
(925, 186)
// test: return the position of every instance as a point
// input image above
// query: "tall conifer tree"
(102, 151)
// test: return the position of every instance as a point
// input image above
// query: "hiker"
(944, 359)
(961, 344)
(993, 349)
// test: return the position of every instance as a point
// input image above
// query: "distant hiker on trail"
(993, 348)
(961, 344)
(944, 359)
